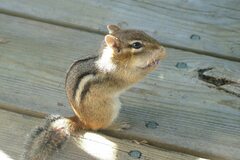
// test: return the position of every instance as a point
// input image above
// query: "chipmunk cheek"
(139, 62)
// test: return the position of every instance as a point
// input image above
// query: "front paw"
(119, 126)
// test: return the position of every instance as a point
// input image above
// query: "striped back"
(77, 71)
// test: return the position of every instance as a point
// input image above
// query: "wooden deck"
(188, 109)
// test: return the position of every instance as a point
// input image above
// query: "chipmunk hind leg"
(101, 114)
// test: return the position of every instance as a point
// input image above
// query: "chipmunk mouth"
(151, 64)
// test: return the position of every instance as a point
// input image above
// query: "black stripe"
(90, 83)
(79, 81)
(77, 61)
(86, 89)
(102, 80)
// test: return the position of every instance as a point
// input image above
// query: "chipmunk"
(93, 86)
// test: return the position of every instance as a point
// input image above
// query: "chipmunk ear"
(112, 28)
(112, 42)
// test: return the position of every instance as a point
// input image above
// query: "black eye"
(136, 45)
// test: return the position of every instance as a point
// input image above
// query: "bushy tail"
(49, 137)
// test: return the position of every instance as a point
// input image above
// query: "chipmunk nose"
(161, 52)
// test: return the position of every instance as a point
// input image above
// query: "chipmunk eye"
(137, 45)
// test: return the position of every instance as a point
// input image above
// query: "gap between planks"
(34, 114)
(86, 29)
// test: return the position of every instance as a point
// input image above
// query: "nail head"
(151, 124)
(135, 154)
(181, 65)
(195, 37)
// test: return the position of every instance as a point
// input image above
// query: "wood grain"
(208, 27)
(193, 116)
(16, 126)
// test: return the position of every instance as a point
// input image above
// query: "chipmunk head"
(132, 50)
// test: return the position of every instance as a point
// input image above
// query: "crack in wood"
(213, 80)
(230, 92)
(217, 82)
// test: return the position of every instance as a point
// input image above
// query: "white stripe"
(81, 87)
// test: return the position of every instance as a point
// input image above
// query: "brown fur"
(93, 86)
(98, 103)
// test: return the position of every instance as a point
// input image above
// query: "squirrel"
(93, 86)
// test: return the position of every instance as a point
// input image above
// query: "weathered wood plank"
(87, 146)
(193, 116)
(206, 26)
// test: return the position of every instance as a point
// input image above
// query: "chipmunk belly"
(99, 110)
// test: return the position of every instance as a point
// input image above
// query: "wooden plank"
(209, 27)
(193, 116)
(88, 145)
